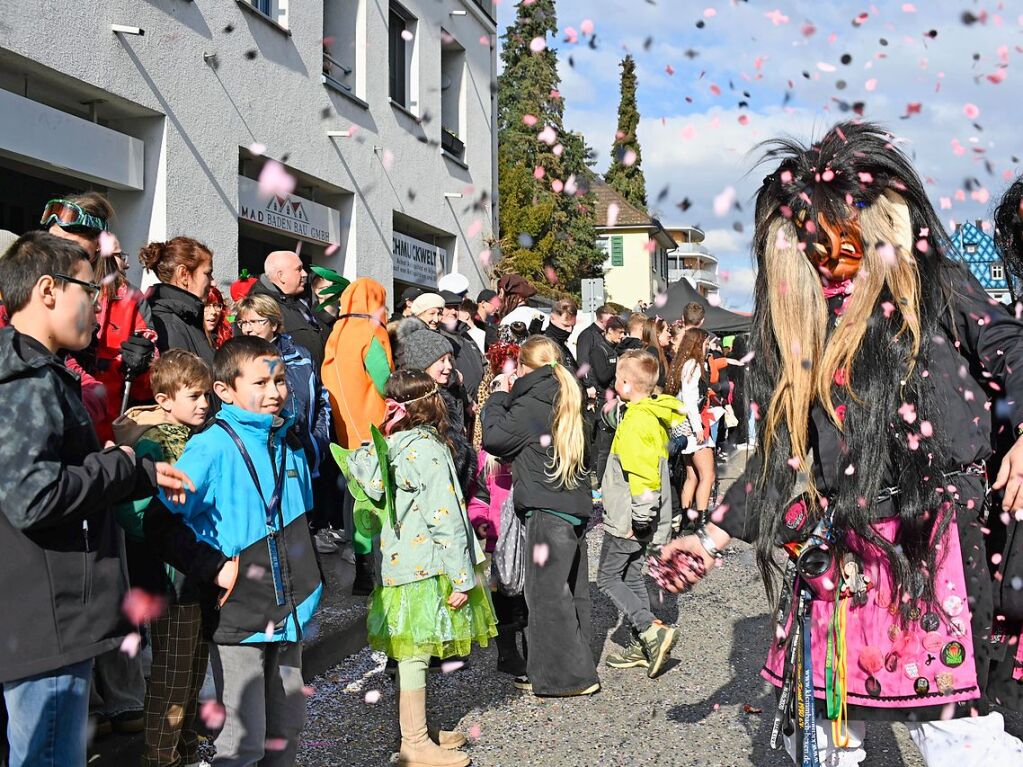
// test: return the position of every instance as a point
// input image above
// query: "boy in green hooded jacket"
(637, 507)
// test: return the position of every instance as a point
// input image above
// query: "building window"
(343, 40)
(997, 272)
(452, 97)
(604, 246)
(275, 10)
(617, 251)
(401, 38)
(969, 248)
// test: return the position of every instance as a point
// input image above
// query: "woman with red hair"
(214, 318)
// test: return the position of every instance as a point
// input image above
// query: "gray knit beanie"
(418, 346)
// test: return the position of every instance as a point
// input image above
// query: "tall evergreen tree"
(546, 215)
(626, 172)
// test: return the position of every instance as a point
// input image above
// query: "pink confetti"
(908, 412)
(571, 36)
(540, 553)
(612, 214)
(793, 462)
(723, 201)
(777, 18)
(372, 696)
(257, 149)
(275, 180)
(141, 607)
(548, 135)
(475, 731)
(537, 44)
(545, 440)
(529, 120)
(926, 429)
(331, 249)
(407, 36)
(586, 27)
(275, 744)
(131, 643)
(972, 111)
(539, 172)
(743, 120)
(212, 714)
(709, 13)
(629, 158)
(669, 69)
(888, 308)
(688, 133)
(908, 8)
(308, 690)
(871, 84)
(451, 666)
(106, 243)
(255, 572)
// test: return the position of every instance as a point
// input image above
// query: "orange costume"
(357, 362)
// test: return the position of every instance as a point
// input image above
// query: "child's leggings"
(412, 672)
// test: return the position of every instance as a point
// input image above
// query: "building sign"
(417, 261)
(291, 215)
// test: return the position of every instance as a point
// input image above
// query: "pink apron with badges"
(928, 663)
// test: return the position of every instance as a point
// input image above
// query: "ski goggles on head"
(68, 215)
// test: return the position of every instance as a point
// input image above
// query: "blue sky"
(787, 56)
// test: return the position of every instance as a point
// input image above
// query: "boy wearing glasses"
(63, 579)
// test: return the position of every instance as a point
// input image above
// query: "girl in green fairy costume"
(430, 602)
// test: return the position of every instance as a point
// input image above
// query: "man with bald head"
(284, 279)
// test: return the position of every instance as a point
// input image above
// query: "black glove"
(136, 356)
(644, 531)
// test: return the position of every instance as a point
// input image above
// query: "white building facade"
(382, 112)
(692, 261)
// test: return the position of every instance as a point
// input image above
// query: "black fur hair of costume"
(877, 440)
(1009, 235)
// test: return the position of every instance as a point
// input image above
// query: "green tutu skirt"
(414, 619)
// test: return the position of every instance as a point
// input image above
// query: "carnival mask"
(838, 258)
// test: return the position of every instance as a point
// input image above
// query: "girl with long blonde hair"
(535, 420)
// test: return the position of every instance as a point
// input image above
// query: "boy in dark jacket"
(63, 578)
(253, 490)
(181, 383)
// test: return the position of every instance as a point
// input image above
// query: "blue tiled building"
(978, 251)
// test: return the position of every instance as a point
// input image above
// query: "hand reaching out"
(173, 482)
(457, 600)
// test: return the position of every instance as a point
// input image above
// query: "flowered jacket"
(432, 535)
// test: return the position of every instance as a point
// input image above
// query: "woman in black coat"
(185, 269)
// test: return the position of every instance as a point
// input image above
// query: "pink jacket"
(485, 505)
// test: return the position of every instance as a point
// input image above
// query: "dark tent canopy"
(718, 320)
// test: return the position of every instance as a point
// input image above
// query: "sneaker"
(657, 645)
(337, 536)
(628, 657)
(593, 688)
(522, 682)
(324, 544)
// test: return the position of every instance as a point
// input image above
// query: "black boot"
(364, 581)
(509, 661)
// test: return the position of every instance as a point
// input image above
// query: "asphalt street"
(694, 714)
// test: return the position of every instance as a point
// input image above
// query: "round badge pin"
(891, 662)
(911, 670)
(873, 687)
(953, 654)
(894, 632)
(953, 605)
(933, 641)
(930, 621)
(921, 686)
(914, 613)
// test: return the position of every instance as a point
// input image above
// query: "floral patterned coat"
(433, 535)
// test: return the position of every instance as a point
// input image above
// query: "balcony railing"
(335, 72)
(684, 248)
(697, 275)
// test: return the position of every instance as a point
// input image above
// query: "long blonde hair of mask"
(799, 316)
(568, 442)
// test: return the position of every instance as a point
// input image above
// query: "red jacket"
(119, 318)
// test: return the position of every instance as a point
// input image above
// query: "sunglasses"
(90, 287)
(68, 215)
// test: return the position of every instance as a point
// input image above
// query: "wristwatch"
(708, 543)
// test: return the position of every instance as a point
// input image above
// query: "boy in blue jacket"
(253, 490)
